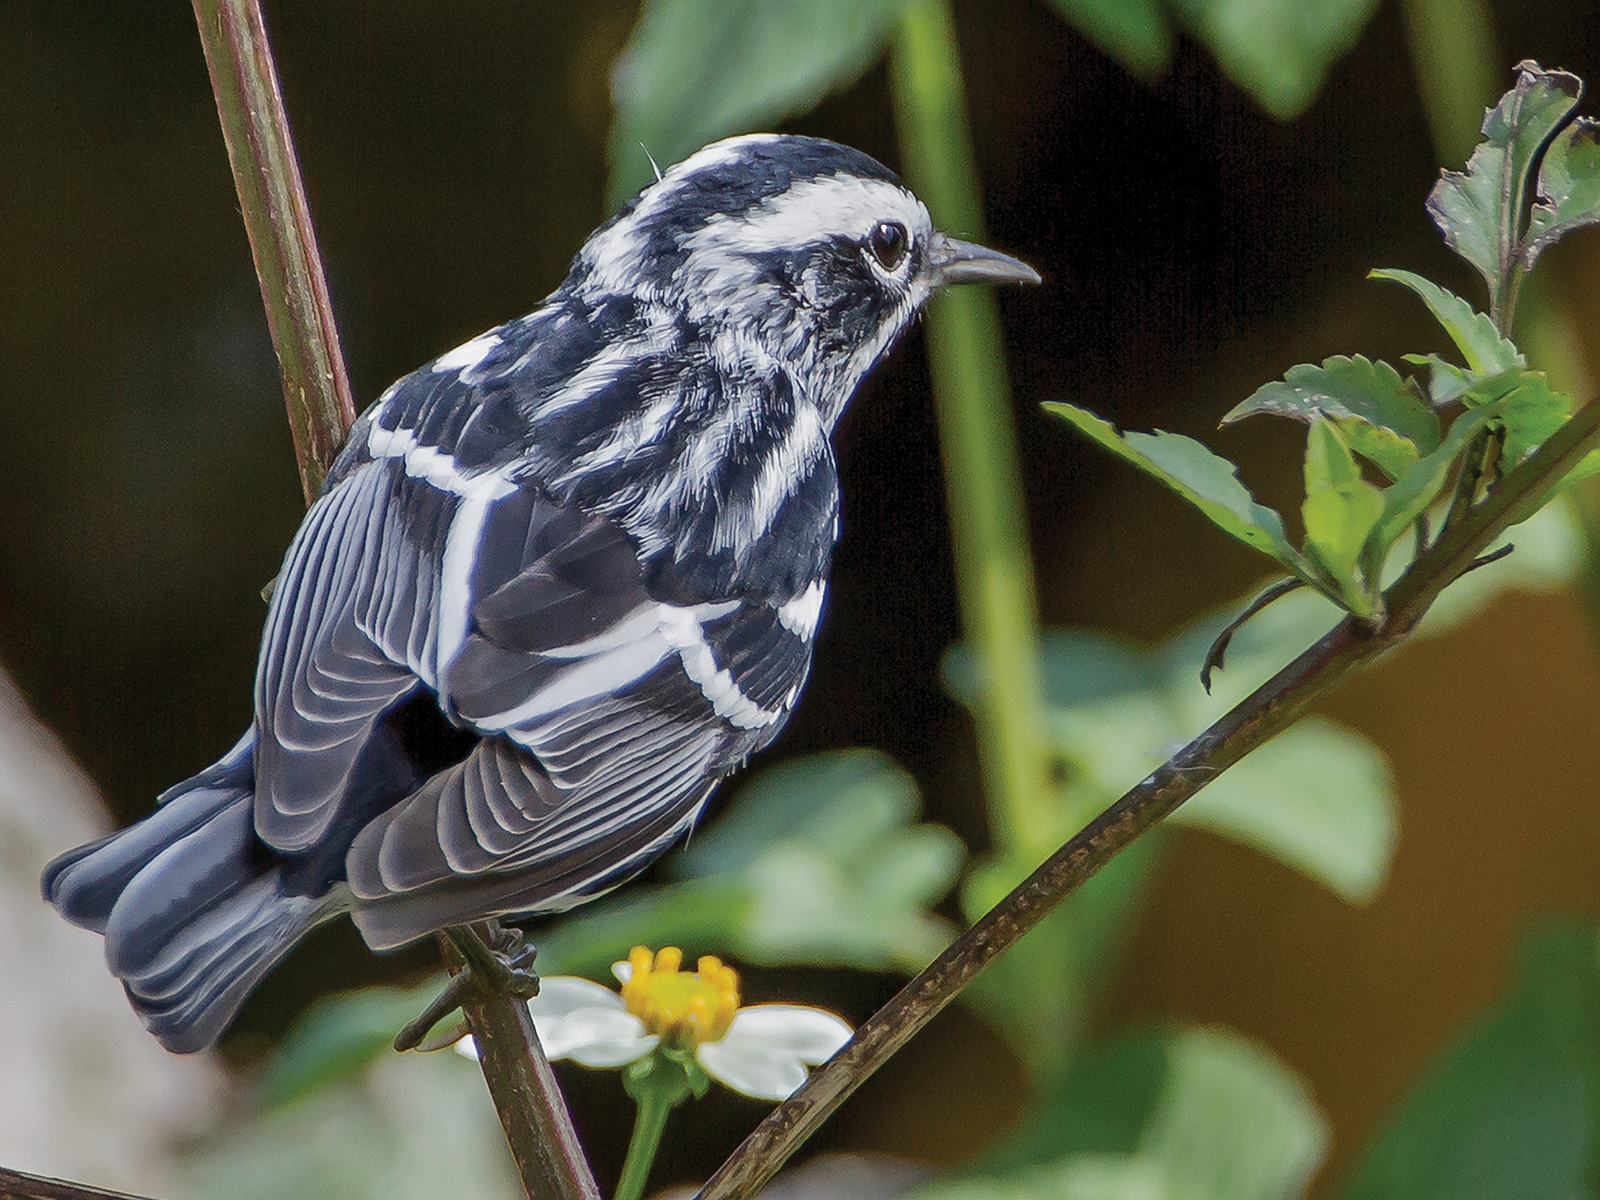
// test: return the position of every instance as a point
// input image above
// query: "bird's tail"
(190, 902)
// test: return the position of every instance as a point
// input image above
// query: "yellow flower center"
(683, 1009)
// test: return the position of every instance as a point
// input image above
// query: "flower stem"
(656, 1094)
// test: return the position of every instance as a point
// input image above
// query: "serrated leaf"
(1409, 496)
(1569, 188)
(1277, 50)
(1338, 522)
(1480, 210)
(1316, 798)
(1480, 343)
(1208, 481)
(1137, 33)
(1511, 1109)
(1531, 412)
(697, 70)
(1378, 412)
(1446, 381)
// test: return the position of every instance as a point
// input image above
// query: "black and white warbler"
(560, 582)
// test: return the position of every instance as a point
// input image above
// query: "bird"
(558, 584)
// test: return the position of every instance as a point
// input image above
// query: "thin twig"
(1273, 707)
(278, 220)
(317, 390)
(1219, 647)
(18, 1185)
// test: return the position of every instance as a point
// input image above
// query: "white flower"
(762, 1050)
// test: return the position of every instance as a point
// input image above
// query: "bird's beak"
(952, 261)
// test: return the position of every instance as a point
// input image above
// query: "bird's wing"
(372, 595)
(349, 633)
(608, 715)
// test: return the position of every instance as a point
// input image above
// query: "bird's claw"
(496, 961)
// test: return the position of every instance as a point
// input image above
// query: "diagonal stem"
(19, 1185)
(317, 390)
(278, 220)
(1268, 711)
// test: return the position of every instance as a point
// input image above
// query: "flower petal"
(615, 1052)
(622, 970)
(768, 1047)
(593, 1036)
(754, 1070)
(811, 1035)
(562, 994)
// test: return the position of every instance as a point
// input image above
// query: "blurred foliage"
(1513, 1108)
(411, 1127)
(697, 70)
(1199, 1114)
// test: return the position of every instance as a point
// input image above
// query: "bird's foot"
(497, 961)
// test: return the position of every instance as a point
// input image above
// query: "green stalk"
(983, 479)
(661, 1087)
(648, 1125)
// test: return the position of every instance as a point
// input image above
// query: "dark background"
(1192, 249)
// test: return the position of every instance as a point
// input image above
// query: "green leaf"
(1513, 1108)
(1480, 210)
(1379, 414)
(1316, 798)
(697, 70)
(1277, 50)
(1531, 412)
(1100, 1104)
(820, 861)
(1569, 188)
(1446, 381)
(1137, 33)
(1340, 510)
(837, 868)
(1588, 465)
(1480, 343)
(338, 1036)
(1233, 1122)
(1206, 480)
(1409, 497)
(1200, 1114)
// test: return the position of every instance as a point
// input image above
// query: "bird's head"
(786, 250)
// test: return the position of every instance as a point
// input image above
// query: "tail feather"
(190, 990)
(180, 886)
(191, 903)
(84, 884)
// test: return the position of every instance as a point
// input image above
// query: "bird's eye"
(888, 244)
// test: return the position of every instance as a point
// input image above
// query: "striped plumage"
(560, 582)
